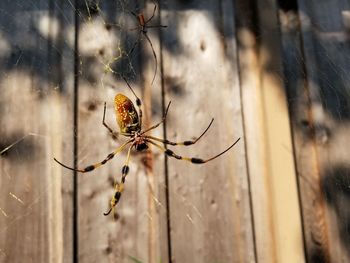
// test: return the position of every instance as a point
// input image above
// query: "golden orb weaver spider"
(142, 27)
(130, 125)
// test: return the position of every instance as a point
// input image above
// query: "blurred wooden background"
(274, 73)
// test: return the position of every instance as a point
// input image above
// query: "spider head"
(127, 117)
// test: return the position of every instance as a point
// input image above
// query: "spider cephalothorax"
(130, 125)
(140, 143)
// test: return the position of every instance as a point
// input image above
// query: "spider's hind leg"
(119, 187)
(92, 167)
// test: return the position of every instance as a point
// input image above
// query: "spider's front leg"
(111, 131)
(138, 101)
(159, 123)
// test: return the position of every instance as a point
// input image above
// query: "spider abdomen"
(141, 19)
(127, 117)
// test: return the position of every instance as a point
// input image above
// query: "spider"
(142, 27)
(130, 125)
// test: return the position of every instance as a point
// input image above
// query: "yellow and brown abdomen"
(127, 117)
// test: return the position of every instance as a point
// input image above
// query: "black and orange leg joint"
(184, 143)
(192, 160)
(94, 166)
(119, 188)
(125, 171)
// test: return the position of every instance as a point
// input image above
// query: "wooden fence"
(274, 73)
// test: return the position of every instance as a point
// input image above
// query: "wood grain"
(324, 33)
(154, 107)
(254, 126)
(282, 177)
(312, 198)
(228, 60)
(137, 232)
(209, 204)
(270, 158)
(34, 195)
(115, 239)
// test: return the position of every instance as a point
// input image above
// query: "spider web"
(30, 79)
(103, 57)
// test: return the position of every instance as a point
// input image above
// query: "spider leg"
(190, 159)
(138, 101)
(113, 133)
(134, 28)
(185, 143)
(154, 55)
(155, 26)
(133, 13)
(154, 11)
(159, 123)
(135, 44)
(119, 187)
(96, 165)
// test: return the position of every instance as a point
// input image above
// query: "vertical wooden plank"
(312, 199)
(283, 193)
(254, 126)
(277, 225)
(61, 61)
(209, 204)
(31, 200)
(102, 238)
(324, 31)
(153, 101)
(135, 234)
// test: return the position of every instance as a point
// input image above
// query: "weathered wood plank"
(136, 232)
(32, 52)
(114, 239)
(210, 216)
(60, 122)
(210, 209)
(153, 101)
(283, 192)
(276, 210)
(312, 199)
(62, 61)
(325, 47)
(254, 126)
